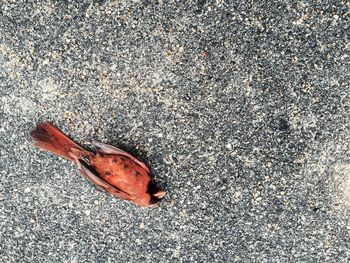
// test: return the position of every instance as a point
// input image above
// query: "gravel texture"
(240, 108)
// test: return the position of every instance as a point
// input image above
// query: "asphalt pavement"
(240, 108)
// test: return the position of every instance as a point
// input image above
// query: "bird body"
(110, 168)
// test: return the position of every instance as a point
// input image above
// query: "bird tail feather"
(48, 137)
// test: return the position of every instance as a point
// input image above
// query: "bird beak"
(159, 194)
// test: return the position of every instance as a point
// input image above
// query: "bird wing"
(108, 149)
(85, 170)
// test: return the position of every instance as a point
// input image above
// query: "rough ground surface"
(241, 109)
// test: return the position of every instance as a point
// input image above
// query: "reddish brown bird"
(112, 169)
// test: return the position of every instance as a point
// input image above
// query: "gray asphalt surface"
(240, 109)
